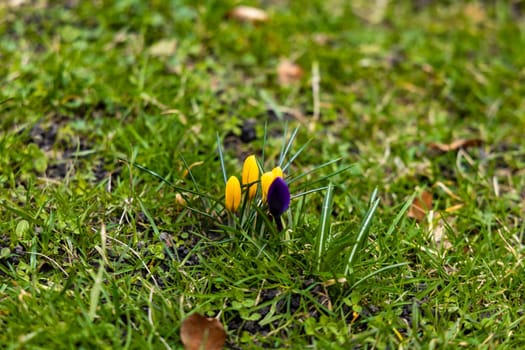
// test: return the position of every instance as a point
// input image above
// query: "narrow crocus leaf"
(266, 180)
(250, 174)
(278, 197)
(232, 198)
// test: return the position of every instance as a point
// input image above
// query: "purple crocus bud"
(278, 199)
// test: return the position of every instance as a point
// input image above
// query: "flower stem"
(278, 223)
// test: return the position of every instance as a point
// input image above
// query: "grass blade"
(150, 219)
(272, 104)
(400, 215)
(265, 140)
(323, 235)
(221, 158)
(190, 173)
(306, 173)
(303, 147)
(288, 146)
(339, 171)
(383, 269)
(363, 231)
(303, 194)
(163, 179)
(283, 144)
(94, 295)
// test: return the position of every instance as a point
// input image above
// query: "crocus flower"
(266, 180)
(250, 174)
(278, 172)
(233, 194)
(278, 200)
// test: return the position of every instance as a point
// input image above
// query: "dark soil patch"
(63, 152)
(420, 5)
(57, 170)
(44, 136)
(248, 131)
(15, 254)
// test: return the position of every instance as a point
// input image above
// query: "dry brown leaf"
(182, 116)
(453, 146)
(288, 72)
(192, 165)
(331, 282)
(167, 239)
(23, 294)
(454, 208)
(447, 190)
(12, 3)
(371, 11)
(439, 234)
(420, 206)
(321, 38)
(475, 12)
(202, 333)
(248, 14)
(179, 199)
(164, 47)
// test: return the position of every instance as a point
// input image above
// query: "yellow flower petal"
(266, 180)
(278, 172)
(250, 174)
(232, 198)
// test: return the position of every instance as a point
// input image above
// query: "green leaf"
(22, 229)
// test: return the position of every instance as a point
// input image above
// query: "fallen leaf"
(120, 37)
(167, 239)
(398, 334)
(23, 294)
(371, 11)
(288, 72)
(179, 199)
(202, 333)
(248, 14)
(420, 206)
(438, 233)
(14, 3)
(453, 146)
(447, 190)
(321, 39)
(182, 116)
(331, 282)
(454, 208)
(475, 12)
(163, 48)
(192, 165)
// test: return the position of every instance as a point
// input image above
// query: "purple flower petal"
(278, 197)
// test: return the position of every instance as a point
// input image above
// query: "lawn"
(398, 126)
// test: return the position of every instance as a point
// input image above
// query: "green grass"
(101, 137)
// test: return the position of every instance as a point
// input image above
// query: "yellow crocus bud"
(250, 174)
(233, 194)
(266, 180)
(278, 172)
